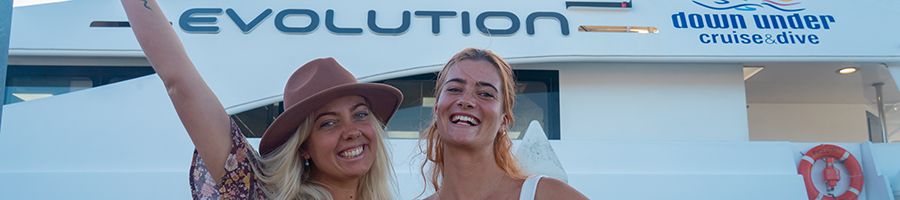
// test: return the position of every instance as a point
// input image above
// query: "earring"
(306, 162)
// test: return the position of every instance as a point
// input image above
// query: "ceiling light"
(847, 70)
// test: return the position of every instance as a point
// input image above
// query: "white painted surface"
(808, 122)
(682, 170)
(536, 155)
(628, 126)
(684, 102)
(880, 180)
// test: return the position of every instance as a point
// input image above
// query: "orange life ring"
(836, 152)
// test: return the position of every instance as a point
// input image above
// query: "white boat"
(655, 99)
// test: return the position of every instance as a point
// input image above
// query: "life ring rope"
(831, 152)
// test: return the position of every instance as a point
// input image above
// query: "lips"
(464, 119)
(353, 152)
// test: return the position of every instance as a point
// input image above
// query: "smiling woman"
(475, 94)
(327, 144)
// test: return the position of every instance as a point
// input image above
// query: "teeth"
(461, 118)
(352, 153)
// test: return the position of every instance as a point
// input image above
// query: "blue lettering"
(563, 22)
(329, 23)
(761, 22)
(781, 38)
(187, 20)
(825, 19)
(811, 22)
(678, 20)
(778, 21)
(695, 20)
(313, 20)
(738, 21)
(716, 21)
(404, 25)
(704, 38)
(204, 20)
(245, 27)
(466, 27)
(479, 22)
(436, 18)
(745, 39)
(758, 39)
(794, 21)
(800, 39)
(813, 39)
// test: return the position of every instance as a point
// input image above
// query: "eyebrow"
(482, 84)
(479, 83)
(324, 114)
(458, 80)
(357, 106)
(335, 113)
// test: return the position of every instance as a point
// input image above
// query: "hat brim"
(383, 101)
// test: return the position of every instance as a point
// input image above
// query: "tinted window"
(537, 99)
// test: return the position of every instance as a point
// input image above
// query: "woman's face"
(342, 140)
(470, 105)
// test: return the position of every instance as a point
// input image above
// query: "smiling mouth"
(353, 152)
(464, 120)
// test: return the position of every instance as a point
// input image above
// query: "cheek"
(369, 132)
(443, 105)
(441, 102)
(320, 144)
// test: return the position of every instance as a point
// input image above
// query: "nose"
(465, 102)
(352, 133)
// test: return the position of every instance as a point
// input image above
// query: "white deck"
(643, 116)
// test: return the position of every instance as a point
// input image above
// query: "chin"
(461, 139)
(360, 169)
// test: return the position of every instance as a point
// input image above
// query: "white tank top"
(529, 187)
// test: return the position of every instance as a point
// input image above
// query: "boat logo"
(745, 5)
(787, 26)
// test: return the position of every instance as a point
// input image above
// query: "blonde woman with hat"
(466, 143)
(327, 144)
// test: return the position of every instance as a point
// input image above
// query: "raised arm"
(198, 108)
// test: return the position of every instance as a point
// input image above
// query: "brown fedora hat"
(317, 83)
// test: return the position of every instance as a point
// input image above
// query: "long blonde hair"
(502, 155)
(284, 175)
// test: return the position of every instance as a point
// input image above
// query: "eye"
(327, 123)
(361, 115)
(486, 95)
(454, 90)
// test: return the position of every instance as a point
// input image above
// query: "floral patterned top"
(239, 181)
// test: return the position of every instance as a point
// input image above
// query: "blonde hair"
(284, 175)
(502, 155)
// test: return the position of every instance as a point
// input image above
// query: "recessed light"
(847, 70)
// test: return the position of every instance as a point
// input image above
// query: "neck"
(470, 174)
(339, 189)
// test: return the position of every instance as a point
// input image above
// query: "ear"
(506, 119)
(304, 155)
(303, 152)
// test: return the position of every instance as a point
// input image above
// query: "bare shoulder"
(552, 188)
